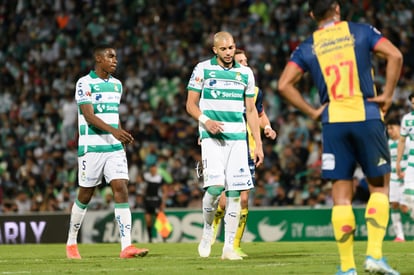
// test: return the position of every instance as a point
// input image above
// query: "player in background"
(155, 197)
(397, 187)
(338, 57)
(240, 57)
(220, 92)
(407, 140)
(101, 150)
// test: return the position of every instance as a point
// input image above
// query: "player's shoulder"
(409, 115)
(85, 79)
(115, 80)
(88, 77)
(363, 27)
(208, 62)
(306, 46)
(205, 64)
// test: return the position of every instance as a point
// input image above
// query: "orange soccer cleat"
(399, 240)
(72, 252)
(131, 252)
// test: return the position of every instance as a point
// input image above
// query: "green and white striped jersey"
(393, 145)
(105, 97)
(407, 130)
(223, 92)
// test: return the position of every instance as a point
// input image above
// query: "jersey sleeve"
(196, 80)
(83, 93)
(374, 35)
(297, 59)
(251, 84)
(404, 129)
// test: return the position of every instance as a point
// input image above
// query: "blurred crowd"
(46, 46)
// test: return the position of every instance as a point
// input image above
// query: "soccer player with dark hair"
(338, 57)
(101, 150)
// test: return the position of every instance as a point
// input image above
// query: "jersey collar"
(215, 62)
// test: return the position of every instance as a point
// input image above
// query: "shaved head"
(221, 37)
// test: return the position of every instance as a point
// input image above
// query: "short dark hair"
(393, 121)
(320, 8)
(239, 51)
(101, 47)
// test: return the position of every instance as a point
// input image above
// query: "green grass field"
(182, 258)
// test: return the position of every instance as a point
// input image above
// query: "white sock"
(76, 219)
(411, 207)
(124, 220)
(231, 221)
(397, 225)
(210, 203)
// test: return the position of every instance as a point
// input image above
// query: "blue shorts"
(347, 144)
(252, 168)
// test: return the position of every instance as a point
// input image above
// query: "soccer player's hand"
(214, 127)
(399, 171)
(258, 156)
(383, 101)
(318, 112)
(123, 136)
(270, 133)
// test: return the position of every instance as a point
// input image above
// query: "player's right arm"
(290, 76)
(195, 87)
(213, 126)
(400, 152)
(264, 121)
(90, 117)
(83, 97)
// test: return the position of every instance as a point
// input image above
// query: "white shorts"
(92, 166)
(225, 163)
(396, 191)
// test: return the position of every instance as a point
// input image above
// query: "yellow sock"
(241, 227)
(343, 223)
(376, 216)
(219, 215)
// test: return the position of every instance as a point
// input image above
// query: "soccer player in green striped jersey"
(407, 140)
(101, 149)
(219, 91)
(240, 57)
(397, 199)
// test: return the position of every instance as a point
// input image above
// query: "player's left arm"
(400, 153)
(264, 121)
(386, 50)
(92, 119)
(267, 128)
(253, 122)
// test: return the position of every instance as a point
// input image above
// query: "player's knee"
(377, 181)
(244, 199)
